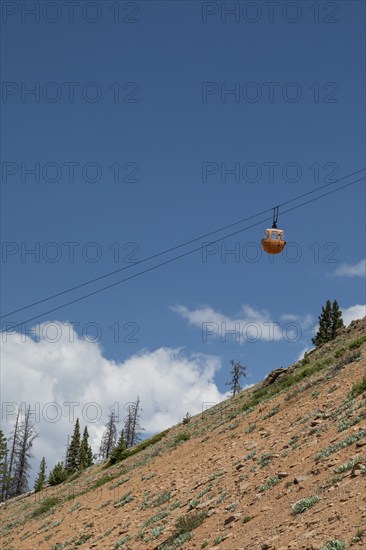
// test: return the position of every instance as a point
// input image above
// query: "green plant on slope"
(304, 504)
(45, 506)
(358, 387)
(334, 545)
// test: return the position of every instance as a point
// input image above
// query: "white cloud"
(349, 270)
(353, 312)
(250, 324)
(168, 381)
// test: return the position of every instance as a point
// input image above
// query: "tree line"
(16, 451)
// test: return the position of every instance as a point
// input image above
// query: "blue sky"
(172, 131)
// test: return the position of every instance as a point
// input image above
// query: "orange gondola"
(273, 242)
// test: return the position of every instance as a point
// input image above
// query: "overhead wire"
(80, 298)
(171, 249)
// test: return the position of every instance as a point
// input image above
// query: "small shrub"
(46, 505)
(359, 535)
(161, 499)
(358, 388)
(334, 545)
(184, 526)
(348, 465)
(357, 342)
(184, 436)
(269, 484)
(339, 352)
(122, 541)
(304, 504)
(345, 424)
(347, 359)
(250, 428)
(249, 456)
(153, 519)
(189, 522)
(337, 446)
(271, 413)
(265, 459)
(246, 519)
(128, 497)
(186, 419)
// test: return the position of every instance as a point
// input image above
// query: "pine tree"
(3, 466)
(117, 453)
(73, 451)
(58, 474)
(330, 321)
(26, 434)
(237, 372)
(109, 437)
(86, 453)
(41, 478)
(337, 321)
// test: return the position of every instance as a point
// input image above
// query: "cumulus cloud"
(353, 312)
(349, 270)
(70, 378)
(249, 325)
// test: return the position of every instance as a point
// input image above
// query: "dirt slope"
(232, 474)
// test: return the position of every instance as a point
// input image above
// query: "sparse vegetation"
(337, 446)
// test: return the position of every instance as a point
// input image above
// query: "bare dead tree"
(132, 427)
(109, 438)
(237, 372)
(23, 442)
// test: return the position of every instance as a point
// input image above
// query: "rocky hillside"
(280, 466)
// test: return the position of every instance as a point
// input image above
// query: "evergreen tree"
(117, 453)
(237, 372)
(337, 321)
(3, 466)
(73, 451)
(330, 321)
(86, 453)
(109, 437)
(26, 434)
(41, 478)
(58, 474)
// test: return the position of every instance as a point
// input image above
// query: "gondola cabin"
(273, 242)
